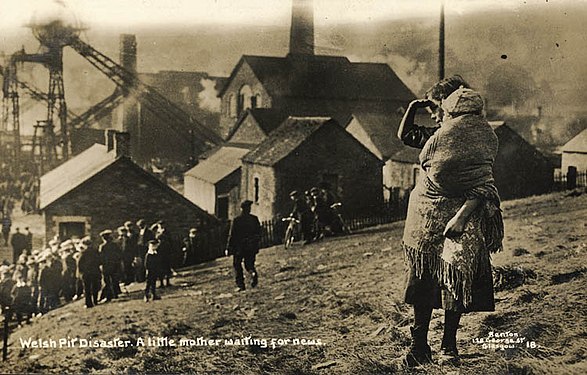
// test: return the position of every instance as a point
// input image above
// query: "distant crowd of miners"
(39, 280)
(17, 187)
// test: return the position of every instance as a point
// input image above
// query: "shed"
(102, 187)
(213, 184)
(574, 153)
(304, 152)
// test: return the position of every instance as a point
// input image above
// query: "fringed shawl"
(456, 165)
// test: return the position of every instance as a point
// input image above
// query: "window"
(256, 187)
(244, 99)
(256, 101)
(72, 229)
(231, 105)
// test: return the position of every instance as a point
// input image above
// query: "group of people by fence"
(317, 212)
(39, 280)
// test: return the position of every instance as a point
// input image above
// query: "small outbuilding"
(574, 153)
(102, 187)
(308, 151)
(213, 184)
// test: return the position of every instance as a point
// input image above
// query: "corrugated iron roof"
(577, 144)
(69, 175)
(218, 165)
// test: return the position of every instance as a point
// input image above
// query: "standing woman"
(454, 221)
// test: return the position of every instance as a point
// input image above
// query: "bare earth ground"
(345, 294)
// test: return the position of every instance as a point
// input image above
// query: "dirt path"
(343, 298)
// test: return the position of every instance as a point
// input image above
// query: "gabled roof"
(324, 77)
(69, 175)
(267, 118)
(285, 139)
(218, 165)
(381, 129)
(82, 168)
(577, 144)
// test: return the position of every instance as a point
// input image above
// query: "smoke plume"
(207, 98)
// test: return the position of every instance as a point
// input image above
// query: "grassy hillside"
(343, 297)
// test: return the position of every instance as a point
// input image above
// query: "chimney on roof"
(122, 144)
(109, 139)
(301, 37)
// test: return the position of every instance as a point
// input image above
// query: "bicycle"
(338, 225)
(291, 231)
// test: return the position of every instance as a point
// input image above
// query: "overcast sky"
(133, 13)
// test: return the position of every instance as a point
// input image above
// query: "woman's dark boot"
(420, 352)
(449, 353)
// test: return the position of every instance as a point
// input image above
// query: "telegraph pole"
(441, 43)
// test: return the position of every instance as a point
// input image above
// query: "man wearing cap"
(132, 248)
(6, 225)
(29, 239)
(88, 268)
(19, 243)
(152, 269)
(243, 244)
(111, 263)
(304, 214)
(191, 248)
(144, 236)
(165, 251)
(127, 252)
(68, 274)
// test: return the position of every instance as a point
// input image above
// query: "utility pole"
(441, 43)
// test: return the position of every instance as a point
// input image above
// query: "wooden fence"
(273, 231)
(214, 239)
(570, 180)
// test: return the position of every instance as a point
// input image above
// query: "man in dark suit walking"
(19, 244)
(111, 260)
(243, 244)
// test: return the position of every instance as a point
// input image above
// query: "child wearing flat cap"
(152, 269)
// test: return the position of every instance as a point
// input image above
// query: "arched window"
(231, 106)
(256, 101)
(244, 98)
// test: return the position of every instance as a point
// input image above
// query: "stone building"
(102, 187)
(520, 170)
(304, 152)
(307, 84)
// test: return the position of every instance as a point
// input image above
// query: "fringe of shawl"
(458, 282)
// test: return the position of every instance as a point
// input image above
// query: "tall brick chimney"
(301, 37)
(130, 106)
(128, 52)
